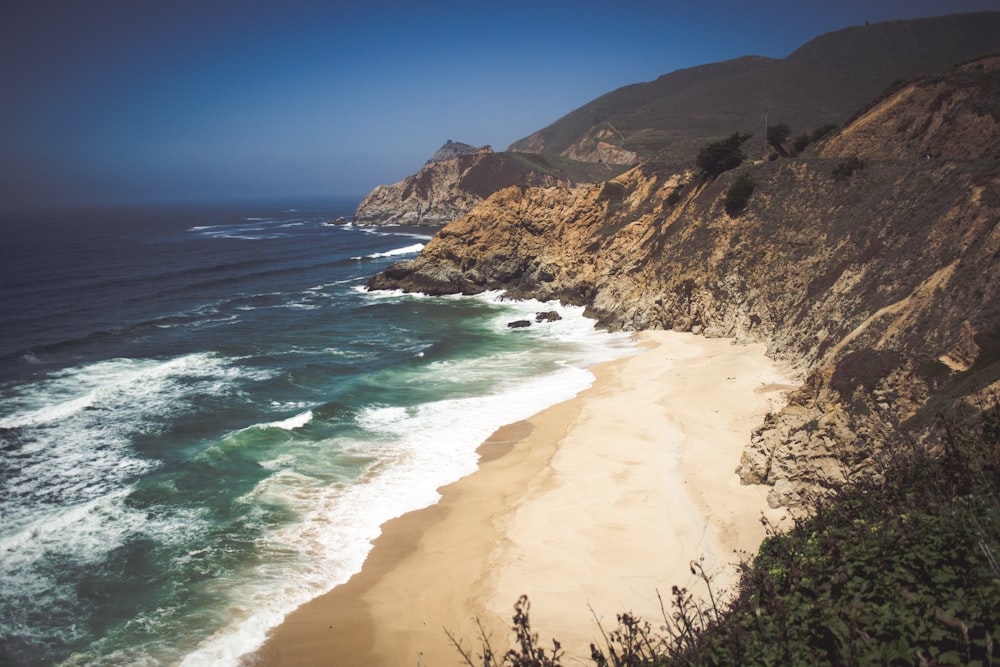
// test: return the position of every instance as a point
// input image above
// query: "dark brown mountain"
(825, 81)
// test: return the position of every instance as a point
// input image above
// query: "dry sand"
(589, 507)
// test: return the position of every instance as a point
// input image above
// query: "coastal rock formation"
(452, 149)
(872, 270)
(456, 179)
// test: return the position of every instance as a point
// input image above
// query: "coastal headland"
(591, 508)
(865, 260)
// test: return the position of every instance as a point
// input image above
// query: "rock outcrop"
(453, 149)
(456, 179)
(872, 270)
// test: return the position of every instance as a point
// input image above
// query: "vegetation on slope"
(899, 569)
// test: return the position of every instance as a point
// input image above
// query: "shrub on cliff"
(777, 135)
(721, 156)
(526, 651)
(738, 194)
(802, 141)
(845, 169)
(898, 571)
(675, 195)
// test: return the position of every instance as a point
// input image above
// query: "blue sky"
(148, 101)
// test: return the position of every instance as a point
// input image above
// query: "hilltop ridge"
(667, 120)
(824, 81)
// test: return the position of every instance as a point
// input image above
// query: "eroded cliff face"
(432, 196)
(877, 279)
(455, 180)
(602, 143)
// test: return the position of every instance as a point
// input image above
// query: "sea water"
(205, 417)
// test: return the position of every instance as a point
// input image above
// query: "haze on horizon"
(122, 102)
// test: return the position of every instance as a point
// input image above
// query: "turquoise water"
(206, 418)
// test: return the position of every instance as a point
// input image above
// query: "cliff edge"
(870, 263)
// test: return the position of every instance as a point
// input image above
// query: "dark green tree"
(800, 142)
(777, 135)
(739, 194)
(722, 155)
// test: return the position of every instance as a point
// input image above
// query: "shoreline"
(589, 507)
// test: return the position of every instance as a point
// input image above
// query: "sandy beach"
(590, 507)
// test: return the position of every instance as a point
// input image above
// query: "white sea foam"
(584, 343)
(73, 390)
(70, 470)
(390, 230)
(77, 427)
(336, 283)
(408, 250)
(414, 451)
(50, 413)
(254, 231)
(292, 423)
(88, 531)
(380, 418)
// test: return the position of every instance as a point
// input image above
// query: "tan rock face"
(863, 282)
(446, 189)
(940, 117)
(601, 144)
(430, 197)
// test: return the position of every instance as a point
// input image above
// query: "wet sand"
(590, 507)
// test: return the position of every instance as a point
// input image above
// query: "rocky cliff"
(456, 179)
(870, 264)
(669, 119)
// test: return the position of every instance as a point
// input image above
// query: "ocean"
(205, 418)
